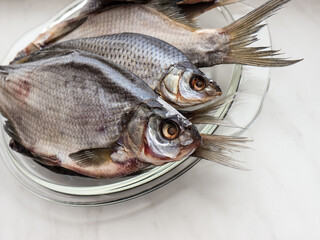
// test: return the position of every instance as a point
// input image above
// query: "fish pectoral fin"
(97, 163)
(91, 157)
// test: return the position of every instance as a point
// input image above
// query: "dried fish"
(165, 68)
(204, 47)
(82, 112)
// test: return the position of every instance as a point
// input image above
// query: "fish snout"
(213, 90)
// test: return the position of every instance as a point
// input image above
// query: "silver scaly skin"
(204, 47)
(185, 9)
(84, 113)
(163, 67)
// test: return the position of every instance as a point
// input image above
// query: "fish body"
(184, 10)
(139, 18)
(203, 47)
(163, 67)
(147, 57)
(84, 113)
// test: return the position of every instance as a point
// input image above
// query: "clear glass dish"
(251, 83)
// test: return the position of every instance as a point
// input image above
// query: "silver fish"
(84, 113)
(184, 10)
(204, 47)
(163, 67)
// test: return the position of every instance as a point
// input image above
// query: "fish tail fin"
(216, 148)
(242, 33)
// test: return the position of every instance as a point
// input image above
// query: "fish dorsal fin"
(98, 5)
(193, 8)
(91, 157)
(168, 7)
(171, 9)
(182, 11)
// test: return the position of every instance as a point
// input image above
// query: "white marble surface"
(278, 199)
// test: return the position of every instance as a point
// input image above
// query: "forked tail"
(216, 148)
(243, 32)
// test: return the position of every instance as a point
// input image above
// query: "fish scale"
(147, 57)
(204, 47)
(112, 22)
(163, 67)
(78, 110)
(75, 109)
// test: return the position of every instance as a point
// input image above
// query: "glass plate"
(251, 83)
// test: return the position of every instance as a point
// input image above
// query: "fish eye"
(170, 130)
(197, 83)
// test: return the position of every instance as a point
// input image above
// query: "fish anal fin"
(46, 160)
(3, 71)
(51, 35)
(11, 131)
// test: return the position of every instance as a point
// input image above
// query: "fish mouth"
(214, 90)
(218, 90)
(191, 142)
(195, 136)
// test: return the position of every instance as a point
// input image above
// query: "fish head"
(158, 134)
(185, 85)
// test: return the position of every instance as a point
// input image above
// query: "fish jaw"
(213, 91)
(179, 87)
(144, 139)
